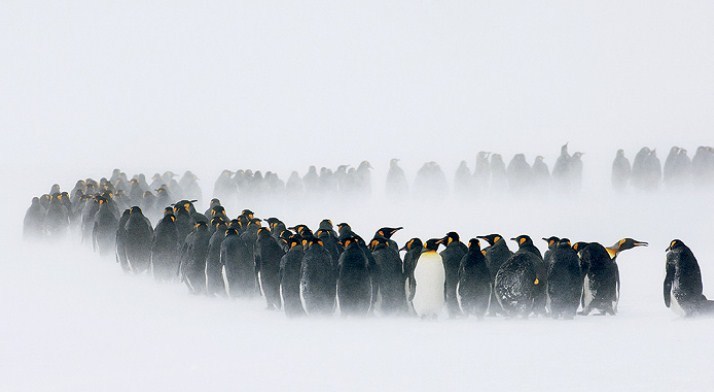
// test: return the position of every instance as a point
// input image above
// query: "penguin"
(318, 280)
(475, 286)
(268, 254)
(34, 220)
(430, 277)
(393, 300)
(239, 271)
(354, 286)
(105, 228)
(454, 251)
(165, 248)
(565, 284)
(683, 288)
(499, 178)
(215, 286)
(120, 241)
(462, 179)
(290, 265)
(541, 174)
(276, 227)
(526, 246)
(184, 221)
(413, 249)
(519, 173)
(561, 169)
(552, 244)
(497, 253)
(137, 241)
(601, 279)
(575, 171)
(57, 218)
(193, 259)
(482, 172)
(387, 233)
(621, 171)
(396, 184)
(516, 285)
(330, 242)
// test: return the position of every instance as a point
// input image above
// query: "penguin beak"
(514, 239)
(641, 243)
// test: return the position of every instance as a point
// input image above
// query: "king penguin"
(683, 283)
(475, 287)
(430, 279)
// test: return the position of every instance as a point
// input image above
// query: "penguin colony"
(320, 272)
(646, 172)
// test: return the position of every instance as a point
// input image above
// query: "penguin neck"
(612, 252)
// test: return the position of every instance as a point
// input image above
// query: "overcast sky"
(283, 84)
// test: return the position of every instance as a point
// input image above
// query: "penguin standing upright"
(621, 171)
(165, 248)
(475, 286)
(601, 278)
(193, 258)
(541, 174)
(121, 240)
(561, 169)
(105, 228)
(430, 278)
(290, 277)
(413, 249)
(137, 242)
(683, 288)
(452, 254)
(354, 291)
(462, 180)
(391, 276)
(34, 220)
(396, 184)
(318, 279)
(564, 281)
(526, 246)
(215, 286)
(268, 254)
(496, 255)
(515, 286)
(239, 271)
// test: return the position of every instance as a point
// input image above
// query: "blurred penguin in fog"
(621, 171)
(311, 180)
(646, 170)
(214, 269)
(519, 173)
(390, 276)
(225, 187)
(541, 174)
(239, 270)
(413, 249)
(318, 279)
(677, 168)
(451, 256)
(561, 170)
(430, 182)
(397, 185)
(34, 220)
(137, 241)
(474, 286)
(105, 228)
(268, 254)
(575, 171)
(294, 185)
(482, 172)
(290, 266)
(354, 290)
(462, 179)
(499, 177)
(193, 258)
(703, 167)
(56, 218)
(165, 248)
(565, 283)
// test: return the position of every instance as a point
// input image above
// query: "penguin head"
(35, 201)
(449, 238)
(579, 246)
(350, 242)
(215, 202)
(255, 222)
(552, 241)
(200, 225)
(378, 243)
(313, 242)
(218, 210)
(475, 245)
(675, 244)
(564, 243)
(234, 224)
(170, 217)
(263, 232)
(523, 240)
(272, 222)
(230, 232)
(394, 162)
(326, 224)
(431, 245)
(625, 244)
(298, 228)
(414, 243)
(135, 210)
(578, 155)
(620, 153)
(218, 223)
(387, 232)
(247, 213)
(293, 240)
(492, 239)
(564, 149)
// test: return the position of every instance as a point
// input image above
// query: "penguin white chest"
(430, 277)
(674, 304)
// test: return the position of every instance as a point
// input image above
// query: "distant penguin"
(475, 287)
(621, 171)
(396, 184)
(496, 255)
(318, 279)
(430, 278)
(413, 249)
(354, 291)
(541, 174)
(268, 254)
(482, 173)
(499, 177)
(452, 254)
(193, 259)
(519, 173)
(575, 171)
(565, 284)
(462, 180)
(391, 276)
(34, 220)
(121, 240)
(683, 288)
(139, 235)
(561, 170)
(290, 266)
(165, 248)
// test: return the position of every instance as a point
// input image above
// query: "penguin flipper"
(668, 286)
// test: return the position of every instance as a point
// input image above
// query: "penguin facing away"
(683, 288)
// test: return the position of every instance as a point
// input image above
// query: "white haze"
(89, 86)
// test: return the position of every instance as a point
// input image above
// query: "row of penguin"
(318, 271)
